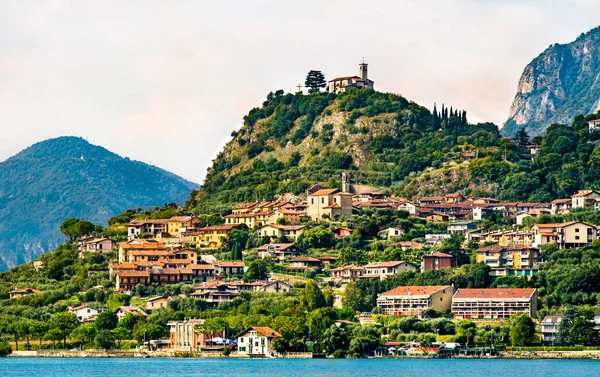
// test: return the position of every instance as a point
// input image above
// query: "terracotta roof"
(202, 267)
(133, 273)
(561, 201)
(327, 257)
(132, 309)
(219, 227)
(285, 227)
(229, 264)
(267, 332)
(585, 193)
(439, 255)
(305, 259)
(324, 192)
(494, 293)
(412, 244)
(345, 78)
(385, 264)
(416, 290)
(277, 246)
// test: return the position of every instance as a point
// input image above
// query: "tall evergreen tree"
(315, 80)
(522, 138)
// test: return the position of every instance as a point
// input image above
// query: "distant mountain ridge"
(64, 177)
(562, 82)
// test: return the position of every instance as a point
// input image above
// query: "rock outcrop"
(562, 82)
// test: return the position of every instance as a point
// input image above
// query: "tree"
(74, 228)
(315, 80)
(317, 237)
(335, 338)
(64, 323)
(320, 320)
(522, 138)
(120, 333)
(257, 270)
(583, 329)
(364, 346)
(5, 349)
(466, 328)
(106, 320)
(352, 298)
(38, 329)
(84, 333)
(522, 330)
(104, 339)
(311, 297)
(54, 335)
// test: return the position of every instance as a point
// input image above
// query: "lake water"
(46, 367)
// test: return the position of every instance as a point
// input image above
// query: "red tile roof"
(416, 290)
(494, 293)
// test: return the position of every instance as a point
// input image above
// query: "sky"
(166, 82)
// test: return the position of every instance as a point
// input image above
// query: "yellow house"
(211, 237)
(512, 260)
(565, 235)
(180, 224)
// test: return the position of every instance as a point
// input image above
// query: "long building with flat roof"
(412, 300)
(493, 303)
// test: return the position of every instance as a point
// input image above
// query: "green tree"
(335, 338)
(317, 237)
(583, 329)
(65, 323)
(107, 320)
(119, 334)
(104, 339)
(352, 298)
(521, 137)
(467, 329)
(83, 333)
(311, 297)
(315, 80)
(522, 330)
(54, 335)
(257, 270)
(38, 329)
(5, 349)
(320, 320)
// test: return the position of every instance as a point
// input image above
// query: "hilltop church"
(347, 83)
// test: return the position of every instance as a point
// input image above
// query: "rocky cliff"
(562, 82)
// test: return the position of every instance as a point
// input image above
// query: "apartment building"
(493, 303)
(413, 300)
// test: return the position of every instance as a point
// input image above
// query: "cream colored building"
(584, 198)
(347, 83)
(412, 301)
(291, 232)
(493, 303)
(327, 204)
(382, 270)
(566, 235)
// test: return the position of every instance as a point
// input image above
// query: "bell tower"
(363, 70)
(345, 182)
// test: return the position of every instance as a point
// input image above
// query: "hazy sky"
(167, 81)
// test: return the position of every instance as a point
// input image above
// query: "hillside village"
(339, 267)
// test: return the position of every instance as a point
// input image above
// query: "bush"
(5, 349)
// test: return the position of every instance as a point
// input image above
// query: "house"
(507, 237)
(342, 232)
(328, 204)
(550, 327)
(453, 198)
(584, 198)
(151, 228)
(211, 237)
(347, 83)
(125, 248)
(327, 260)
(593, 124)
(493, 303)
(404, 245)
(347, 274)
(301, 264)
(128, 280)
(18, 292)
(252, 220)
(437, 261)
(290, 216)
(95, 245)
(534, 213)
(431, 200)
(84, 311)
(413, 300)
(291, 232)
(157, 302)
(512, 260)
(461, 227)
(256, 340)
(435, 239)
(184, 337)
(561, 206)
(566, 235)
(214, 292)
(122, 311)
(276, 286)
(178, 225)
(203, 272)
(390, 232)
(382, 270)
(279, 251)
(229, 268)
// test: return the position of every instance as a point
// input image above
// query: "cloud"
(168, 82)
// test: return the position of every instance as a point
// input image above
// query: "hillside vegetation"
(389, 142)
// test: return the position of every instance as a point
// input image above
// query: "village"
(179, 250)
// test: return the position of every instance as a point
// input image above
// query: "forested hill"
(389, 142)
(294, 140)
(53, 180)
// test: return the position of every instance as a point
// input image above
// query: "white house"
(382, 270)
(390, 232)
(347, 83)
(593, 124)
(84, 311)
(256, 340)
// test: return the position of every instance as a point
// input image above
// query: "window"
(576, 230)
(312, 200)
(322, 200)
(576, 237)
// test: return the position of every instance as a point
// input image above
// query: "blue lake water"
(16, 367)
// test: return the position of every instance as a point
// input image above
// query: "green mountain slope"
(66, 177)
(295, 140)
(562, 82)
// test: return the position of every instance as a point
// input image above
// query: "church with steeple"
(347, 83)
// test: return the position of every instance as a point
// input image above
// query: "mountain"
(56, 179)
(562, 82)
(382, 139)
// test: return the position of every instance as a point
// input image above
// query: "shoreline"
(509, 355)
